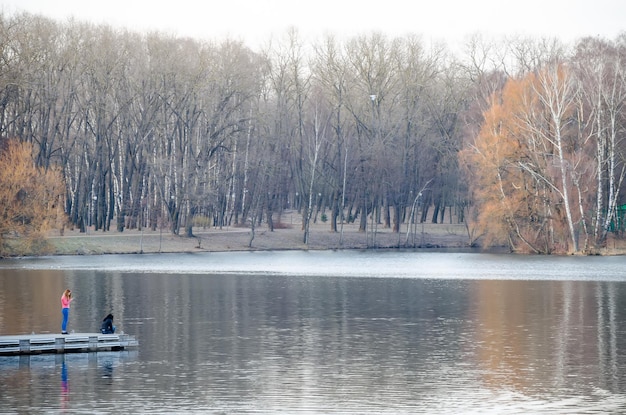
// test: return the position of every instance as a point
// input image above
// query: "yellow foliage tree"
(495, 178)
(30, 200)
(519, 171)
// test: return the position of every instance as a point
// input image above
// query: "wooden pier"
(24, 344)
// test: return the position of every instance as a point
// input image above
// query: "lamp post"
(411, 218)
(91, 199)
(408, 230)
(376, 127)
(319, 204)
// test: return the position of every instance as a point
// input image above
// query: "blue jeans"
(66, 316)
(105, 331)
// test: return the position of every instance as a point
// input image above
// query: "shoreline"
(285, 237)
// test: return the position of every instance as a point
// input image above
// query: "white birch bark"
(556, 91)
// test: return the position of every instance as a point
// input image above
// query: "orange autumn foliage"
(513, 182)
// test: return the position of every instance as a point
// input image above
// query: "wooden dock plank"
(76, 342)
(71, 339)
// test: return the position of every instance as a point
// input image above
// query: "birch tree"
(600, 70)
(556, 90)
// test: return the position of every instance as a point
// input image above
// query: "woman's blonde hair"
(67, 293)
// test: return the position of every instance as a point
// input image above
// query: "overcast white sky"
(255, 21)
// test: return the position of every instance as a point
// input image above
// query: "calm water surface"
(323, 332)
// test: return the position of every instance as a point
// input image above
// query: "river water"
(352, 332)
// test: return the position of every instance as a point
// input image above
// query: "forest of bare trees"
(520, 139)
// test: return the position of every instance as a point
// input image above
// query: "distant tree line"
(521, 140)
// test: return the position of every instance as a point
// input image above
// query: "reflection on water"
(47, 382)
(65, 385)
(267, 343)
(537, 337)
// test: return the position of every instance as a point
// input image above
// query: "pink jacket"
(65, 302)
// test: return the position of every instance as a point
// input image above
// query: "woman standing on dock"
(66, 299)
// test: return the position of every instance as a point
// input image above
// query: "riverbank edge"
(286, 238)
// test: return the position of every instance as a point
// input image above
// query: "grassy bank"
(288, 237)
